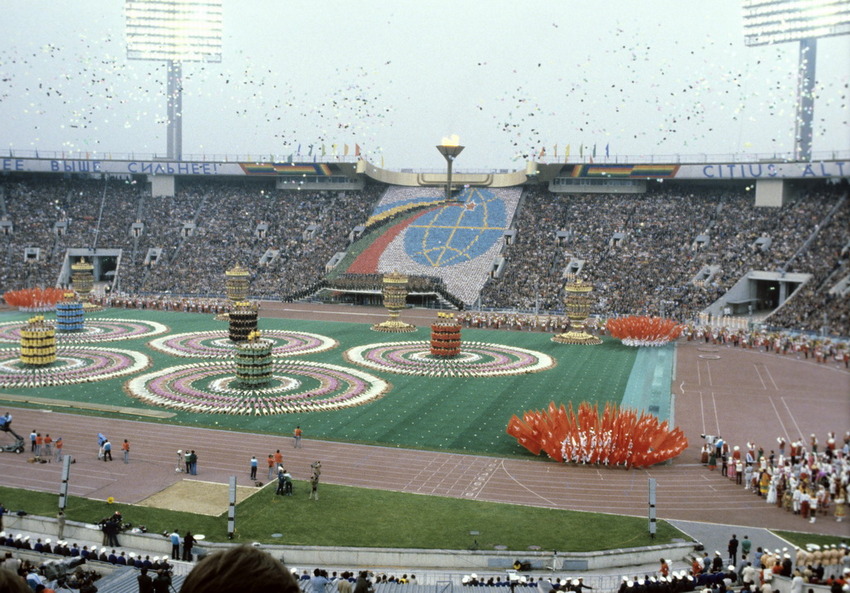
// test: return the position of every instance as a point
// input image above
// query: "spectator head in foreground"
(11, 582)
(243, 569)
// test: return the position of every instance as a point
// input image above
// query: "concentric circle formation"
(74, 364)
(477, 359)
(296, 386)
(217, 344)
(95, 330)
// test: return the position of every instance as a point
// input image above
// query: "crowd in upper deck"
(672, 251)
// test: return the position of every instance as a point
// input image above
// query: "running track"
(740, 394)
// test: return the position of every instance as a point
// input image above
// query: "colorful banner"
(711, 171)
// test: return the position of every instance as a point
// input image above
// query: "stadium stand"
(673, 251)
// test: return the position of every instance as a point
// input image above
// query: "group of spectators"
(320, 581)
(18, 575)
(206, 228)
(643, 253)
(56, 571)
(815, 566)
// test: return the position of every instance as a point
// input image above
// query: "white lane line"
(770, 376)
(526, 488)
(779, 418)
(716, 414)
(794, 420)
(763, 385)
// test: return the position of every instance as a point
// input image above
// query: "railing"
(572, 159)
(187, 158)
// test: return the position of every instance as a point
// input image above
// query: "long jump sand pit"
(195, 496)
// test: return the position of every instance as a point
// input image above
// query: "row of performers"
(819, 349)
(676, 582)
(163, 303)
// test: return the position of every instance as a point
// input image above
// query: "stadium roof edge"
(835, 167)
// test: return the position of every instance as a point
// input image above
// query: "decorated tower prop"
(82, 278)
(577, 302)
(243, 320)
(445, 336)
(38, 342)
(236, 284)
(395, 299)
(69, 314)
(254, 361)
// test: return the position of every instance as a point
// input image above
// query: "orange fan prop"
(614, 437)
(644, 331)
(34, 299)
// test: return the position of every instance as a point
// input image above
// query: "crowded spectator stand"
(395, 299)
(578, 303)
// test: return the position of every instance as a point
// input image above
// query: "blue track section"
(648, 388)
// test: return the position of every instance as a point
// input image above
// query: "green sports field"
(441, 413)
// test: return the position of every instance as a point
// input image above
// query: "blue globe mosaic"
(457, 233)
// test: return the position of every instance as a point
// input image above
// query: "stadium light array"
(175, 31)
(778, 21)
(178, 30)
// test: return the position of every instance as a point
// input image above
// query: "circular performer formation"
(478, 359)
(294, 386)
(217, 344)
(74, 364)
(95, 330)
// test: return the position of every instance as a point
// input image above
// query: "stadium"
(160, 256)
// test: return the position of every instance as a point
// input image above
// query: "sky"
(509, 78)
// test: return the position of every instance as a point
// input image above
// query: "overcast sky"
(508, 77)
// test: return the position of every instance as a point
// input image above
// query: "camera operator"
(162, 582)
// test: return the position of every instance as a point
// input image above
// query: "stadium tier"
(674, 248)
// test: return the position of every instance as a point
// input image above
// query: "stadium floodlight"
(450, 148)
(175, 31)
(778, 21)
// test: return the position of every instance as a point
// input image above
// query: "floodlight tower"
(776, 21)
(175, 31)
